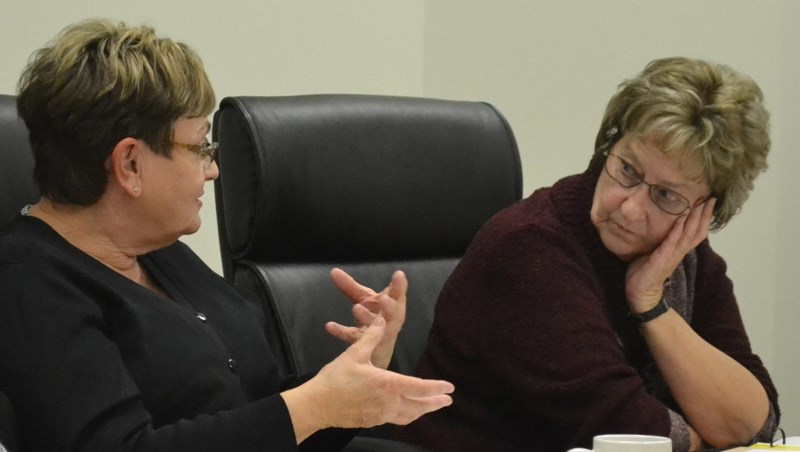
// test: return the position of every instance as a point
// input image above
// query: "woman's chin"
(619, 247)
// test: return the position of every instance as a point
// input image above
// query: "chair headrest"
(352, 177)
(17, 187)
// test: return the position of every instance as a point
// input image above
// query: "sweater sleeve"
(717, 319)
(528, 302)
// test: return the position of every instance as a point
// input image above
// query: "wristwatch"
(647, 316)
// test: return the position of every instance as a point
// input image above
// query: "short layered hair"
(95, 84)
(710, 112)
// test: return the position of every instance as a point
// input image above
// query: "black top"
(92, 361)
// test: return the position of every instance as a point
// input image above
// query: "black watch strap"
(659, 309)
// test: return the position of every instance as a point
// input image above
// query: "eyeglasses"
(206, 151)
(626, 175)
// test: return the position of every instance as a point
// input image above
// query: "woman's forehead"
(675, 167)
(196, 125)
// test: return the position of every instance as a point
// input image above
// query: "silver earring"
(136, 189)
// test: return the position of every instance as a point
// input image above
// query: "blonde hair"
(709, 111)
(96, 83)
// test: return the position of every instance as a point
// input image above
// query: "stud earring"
(136, 190)
(611, 137)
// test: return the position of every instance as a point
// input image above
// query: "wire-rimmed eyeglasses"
(206, 151)
(626, 175)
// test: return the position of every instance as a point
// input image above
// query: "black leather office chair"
(16, 190)
(367, 183)
(16, 162)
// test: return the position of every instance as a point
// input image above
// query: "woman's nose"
(212, 172)
(637, 202)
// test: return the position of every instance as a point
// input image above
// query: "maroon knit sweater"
(533, 330)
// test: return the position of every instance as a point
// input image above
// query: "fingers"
(413, 409)
(392, 295)
(398, 286)
(708, 213)
(689, 230)
(349, 286)
(347, 334)
(364, 395)
(647, 274)
(430, 404)
(418, 388)
(362, 349)
(419, 397)
(698, 222)
(363, 315)
(350, 334)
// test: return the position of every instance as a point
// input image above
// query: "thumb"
(398, 286)
(362, 349)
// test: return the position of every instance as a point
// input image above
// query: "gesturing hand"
(390, 303)
(646, 274)
(350, 392)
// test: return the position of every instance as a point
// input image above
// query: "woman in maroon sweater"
(597, 305)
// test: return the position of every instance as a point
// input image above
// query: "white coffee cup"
(628, 443)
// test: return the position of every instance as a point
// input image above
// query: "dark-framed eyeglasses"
(206, 151)
(626, 175)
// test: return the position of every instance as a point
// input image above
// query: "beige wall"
(550, 66)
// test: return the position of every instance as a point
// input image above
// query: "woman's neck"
(92, 230)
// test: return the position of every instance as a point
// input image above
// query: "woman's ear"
(125, 165)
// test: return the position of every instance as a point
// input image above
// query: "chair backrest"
(367, 183)
(16, 162)
(16, 190)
